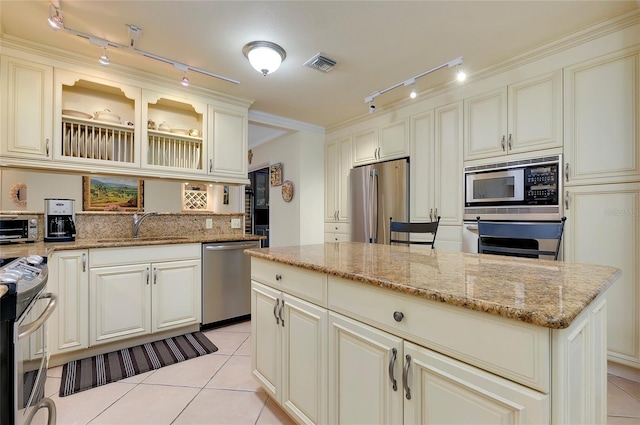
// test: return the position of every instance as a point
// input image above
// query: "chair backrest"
(519, 239)
(408, 228)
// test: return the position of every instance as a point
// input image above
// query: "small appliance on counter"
(59, 220)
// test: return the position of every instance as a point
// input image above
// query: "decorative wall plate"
(287, 191)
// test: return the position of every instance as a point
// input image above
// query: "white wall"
(300, 221)
(159, 195)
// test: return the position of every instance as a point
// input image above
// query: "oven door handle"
(48, 404)
(26, 330)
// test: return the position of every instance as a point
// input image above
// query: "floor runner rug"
(81, 375)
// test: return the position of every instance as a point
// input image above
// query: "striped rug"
(81, 375)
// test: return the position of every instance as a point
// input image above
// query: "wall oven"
(518, 191)
(527, 190)
(24, 310)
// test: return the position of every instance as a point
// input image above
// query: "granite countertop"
(542, 292)
(46, 248)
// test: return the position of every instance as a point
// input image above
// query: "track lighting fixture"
(372, 108)
(55, 18)
(104, 58)
(411, 81)
(55, 21)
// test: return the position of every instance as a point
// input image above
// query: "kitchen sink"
(151, 238)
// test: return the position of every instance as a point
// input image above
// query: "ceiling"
(376, 44)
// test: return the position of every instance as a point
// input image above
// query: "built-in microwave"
(518, 190)
(18, 228)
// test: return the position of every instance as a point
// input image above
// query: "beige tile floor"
(219, 388)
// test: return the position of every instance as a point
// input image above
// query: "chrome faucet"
(137, 221)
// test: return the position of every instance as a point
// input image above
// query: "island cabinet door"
(365, 374)
(441, 390)
(304, 360)
(266, 338)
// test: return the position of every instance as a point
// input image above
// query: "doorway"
(257, 205)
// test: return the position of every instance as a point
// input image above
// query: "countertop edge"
(554, 322)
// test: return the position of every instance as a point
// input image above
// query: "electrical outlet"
(235, 223)
(208, 223)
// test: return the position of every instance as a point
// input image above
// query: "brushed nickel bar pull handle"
(155, 275)
(405, 377)
(146, 272)
(392, 365)
(566, 172)
(509, 142)
(210, 165)
(275, 307)
(280, 313)
(502, 143)
(84, 262)
(431, 214)
(566, 200)
(47, 146)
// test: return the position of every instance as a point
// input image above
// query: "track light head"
(413, 94)
(461, 75)
(185, 80)
(55, 18)
(372, 108)
(104, 58)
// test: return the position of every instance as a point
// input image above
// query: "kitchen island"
(351, 332)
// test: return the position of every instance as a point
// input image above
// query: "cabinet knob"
(398, 316)
(278, 277)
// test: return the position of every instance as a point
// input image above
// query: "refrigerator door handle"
(374, 206)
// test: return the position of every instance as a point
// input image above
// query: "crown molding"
(282, 122)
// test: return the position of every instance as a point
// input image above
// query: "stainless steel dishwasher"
(226, 282)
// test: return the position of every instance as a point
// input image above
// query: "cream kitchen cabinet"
(336, 232)
(69, 280)
(26, 121)
(174, 133)
(382, 143)
(336, 184)
(228, 144)
(602, 131)
(288, 335)
(522, 117)
(90, 125)
(436, 171)
(135, 291)
(603, 225)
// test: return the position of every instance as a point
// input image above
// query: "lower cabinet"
(139, 299)
(69, 280)
(289, 336)
(111, 294)
(376, 377)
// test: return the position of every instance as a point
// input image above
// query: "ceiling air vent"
(321, 63)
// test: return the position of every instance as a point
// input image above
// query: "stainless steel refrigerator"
(378, 191)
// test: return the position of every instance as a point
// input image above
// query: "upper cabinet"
(174, 133)
(82, 119)
(602, 113)
(94, 124)
(521, 117)
(26, 121)
(382, 143)
(228, 143)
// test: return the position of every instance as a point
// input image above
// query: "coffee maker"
(59, 220)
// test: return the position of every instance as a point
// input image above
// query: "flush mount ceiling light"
(411, 81)
(55, 18)
(264, 56)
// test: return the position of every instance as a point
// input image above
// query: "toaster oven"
(18, 228)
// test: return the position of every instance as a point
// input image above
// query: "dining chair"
(401, 227)
(520, 239)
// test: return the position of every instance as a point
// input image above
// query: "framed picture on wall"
(275, 173)
(112, 193)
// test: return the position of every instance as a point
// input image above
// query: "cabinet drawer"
(515, 350)
(308, 285)
(101, 257)
(336, 227)
(336, 237)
